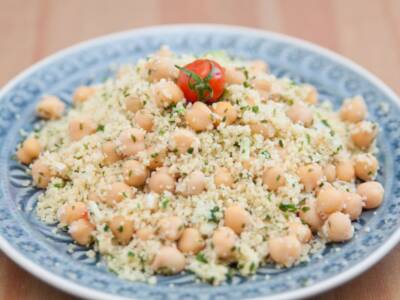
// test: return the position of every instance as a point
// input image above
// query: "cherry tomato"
(202, 80)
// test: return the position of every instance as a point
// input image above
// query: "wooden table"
(367, 31)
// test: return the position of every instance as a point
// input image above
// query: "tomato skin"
(203, 68)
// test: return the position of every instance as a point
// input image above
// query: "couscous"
(206, 164)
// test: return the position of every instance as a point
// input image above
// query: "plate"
(36, 248)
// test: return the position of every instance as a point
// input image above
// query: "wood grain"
(367, 32)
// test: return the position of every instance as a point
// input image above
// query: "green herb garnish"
(100, 127)
(288, 207)
(201, 258)
(201, 86)
(213, 217)
(164, 202)
(265, 153)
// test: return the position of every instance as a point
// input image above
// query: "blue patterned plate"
(36, 248)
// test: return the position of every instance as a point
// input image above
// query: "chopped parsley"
(190, 150)
(246, 84)
(213, 216)
(164, 202)
(100, 127)
(200, 257)
(308, 138)
(252, 267)
(59, 185)
(288, 207)
(325, 122)
(255, 109)
(265, 153)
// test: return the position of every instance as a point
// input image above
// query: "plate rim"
(75, 289)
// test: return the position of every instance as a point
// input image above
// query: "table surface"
(367, 32)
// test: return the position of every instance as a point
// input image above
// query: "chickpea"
(234, 76)
(299, 113)
(372, 193)
(224, 240)
(135, 173)
(183, 140)
(169, 259)
(82, 94)
(365, 166)
(167, 93)
(41, 174)
(223, 177)
(50, 108)
(300, 231)
(338, 227)
(156, 157)
(353, 110)
(117, 192)
(131, 141)
(258, 66)
(199, 117)
(110, 154)
(30, 150)
(81, 231)
(312, 96)
(81, 126)
(145, 233)
(236, 218)
(133, 103)
(161, 68)
(122, 229)
(161, 181)
(191, 241)
(195, 183)
(364, 135)
(284, 250)
(23, 157)
(170, 228)
(345, 170)
(310, 176)
(274, 178)
(263, 87)
(144, 119)
(69, 213)
(329, 200)
(310, 215)
(266, 130)
(225, 111)
(353, 205)
(330, 172)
